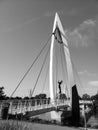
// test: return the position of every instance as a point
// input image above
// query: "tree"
(18, 98)
(95, 97)
(41, 96)
(95, 104)
(2, 95)
(63, 96)
(26, 98)
(86, 97)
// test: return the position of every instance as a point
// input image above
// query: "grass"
(93, 122)
(14, 125)
(22, 125)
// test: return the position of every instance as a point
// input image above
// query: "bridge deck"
(36, 107)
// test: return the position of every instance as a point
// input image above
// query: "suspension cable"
(61, 43)
(30, 67)
(62, 62)
(63, 59)
(78, 77)
(47, 71)
(73, 64)
(45, 78)
(40, 71)
(67, 52)
(57, 57)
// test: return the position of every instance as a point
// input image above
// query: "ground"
(36, 126)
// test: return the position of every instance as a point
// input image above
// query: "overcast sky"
(25, 25)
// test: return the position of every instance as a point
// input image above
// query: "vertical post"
(10, 108)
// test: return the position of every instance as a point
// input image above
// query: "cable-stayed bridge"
(59, 75)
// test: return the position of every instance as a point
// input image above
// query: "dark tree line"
(95, 104)
(94, 98)
(37, 97)
(44, 96)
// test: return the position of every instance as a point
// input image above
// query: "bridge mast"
(61, 34)
(51, 63)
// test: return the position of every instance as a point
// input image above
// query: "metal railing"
(24, 106)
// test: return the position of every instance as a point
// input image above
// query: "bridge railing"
(23, 106)
(86, 102)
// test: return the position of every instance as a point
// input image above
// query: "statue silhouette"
(59, 85)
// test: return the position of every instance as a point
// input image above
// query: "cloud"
(85, 72)
(89, 22)
(84, 35)
(93, 83)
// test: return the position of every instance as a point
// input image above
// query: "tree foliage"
(2, 94)
(61, 96)
(95, 97)
(41, 96)
(95, 104)
(86, 97)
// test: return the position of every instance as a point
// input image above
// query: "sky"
(25, 25)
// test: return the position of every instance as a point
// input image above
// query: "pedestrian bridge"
(35, 107)
(60, 79)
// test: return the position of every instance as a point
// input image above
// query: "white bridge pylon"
(59, 35)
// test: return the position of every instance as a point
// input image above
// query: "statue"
(59, 85)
